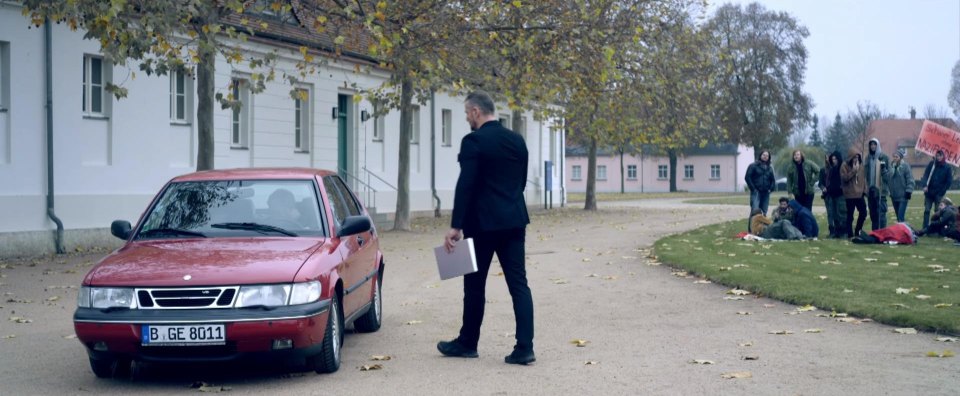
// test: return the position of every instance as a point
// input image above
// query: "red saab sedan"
(269, 264)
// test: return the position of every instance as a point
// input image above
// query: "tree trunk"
(673, 169)
(590, 202)
(205, 93)
(401, 220)
(622, 175)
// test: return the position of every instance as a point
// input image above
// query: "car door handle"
(359, 240)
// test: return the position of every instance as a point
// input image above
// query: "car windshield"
(235, 208)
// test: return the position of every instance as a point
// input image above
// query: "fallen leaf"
(592, 276)
(869, 259)
(769, 305)
(893, 264)
(740, 266)
(53, 298)
(901, 290)
(9, 336)
(943, 305)
(433, 286)
(610, 277)
(579, 343)
(746, 344)
(370, 367)
(743, 313)
(900, 306)
(813, 331)
(680, 274)
(751, 357)
(380, 357)
(737, 298)
(935, 266)
(848, 320)
(702, 282)
(70, 336)
(806, 308)
(498, 273)
(586, 259)
(590, 362)
(738, 292)
(922, 297)
(559, 281)
(946, 339)
(736, 374)
(781, 332)
(413, 322)
(941, 270)
(944, 354)
(906, 330)
(17, 319)
(847, 291)
(701, 361)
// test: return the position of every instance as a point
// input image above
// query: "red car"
(268, 264)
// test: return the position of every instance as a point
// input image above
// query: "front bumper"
(250, 333)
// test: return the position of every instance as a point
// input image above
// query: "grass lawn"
(833, 275)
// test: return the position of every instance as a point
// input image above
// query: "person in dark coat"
(876, 166)
(944, 221)
(761, 181)
(900, 182)
(489, 207)
(854, 188)
(832, 193)
(936, 181)
(804, 221)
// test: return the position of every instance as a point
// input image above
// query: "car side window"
(351, 201)
(337, 205)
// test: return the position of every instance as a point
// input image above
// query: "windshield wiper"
(171, 231)
(261, 228)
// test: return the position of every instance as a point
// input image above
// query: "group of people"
(848, 184)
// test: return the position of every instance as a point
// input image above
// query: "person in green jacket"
(900, 184)
(801, 179)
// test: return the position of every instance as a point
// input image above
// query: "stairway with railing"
(365, 190)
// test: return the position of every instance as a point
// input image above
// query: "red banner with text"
(935, 137)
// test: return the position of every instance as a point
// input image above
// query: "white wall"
(110, 168)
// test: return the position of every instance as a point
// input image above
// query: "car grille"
(187, 298)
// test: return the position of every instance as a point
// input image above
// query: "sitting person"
(758, 222)
(804, 221)
(944, 221)
(282, 208)
(900, 233)
(783, 211)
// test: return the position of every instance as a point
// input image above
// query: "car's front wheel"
(370, 321)
(328, 360)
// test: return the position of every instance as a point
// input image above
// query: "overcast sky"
(894, 53)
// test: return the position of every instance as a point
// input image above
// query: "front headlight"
(305, 292)
(266, 295)
(106, 297)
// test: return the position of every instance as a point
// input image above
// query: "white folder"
(461, 261)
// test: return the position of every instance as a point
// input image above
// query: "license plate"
(179, 335)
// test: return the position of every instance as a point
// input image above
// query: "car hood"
(204, 262)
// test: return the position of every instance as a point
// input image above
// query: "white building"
(109, 157)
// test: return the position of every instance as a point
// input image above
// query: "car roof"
(253, 173)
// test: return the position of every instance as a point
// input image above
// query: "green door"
(342, 104)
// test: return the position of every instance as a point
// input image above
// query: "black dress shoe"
(455, 349)
(520, 357)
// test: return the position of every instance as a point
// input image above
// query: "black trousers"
(861, 208)
(509, 246)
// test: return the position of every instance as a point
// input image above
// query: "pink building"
(715, 168)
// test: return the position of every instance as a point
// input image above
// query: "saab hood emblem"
(187, 277)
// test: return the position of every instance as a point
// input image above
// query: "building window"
(4, 78)
(415, 129)
(301, 120)
(378, 115)
(662, 172)
(632, 172)
(576, 172)
(240, 91)
(601, 172)
(688, 171)
(523, 128)
(179, 95)
(447, 120)
(505, 120)
(715, 172)
(93, 84)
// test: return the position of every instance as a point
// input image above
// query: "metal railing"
(365, 187)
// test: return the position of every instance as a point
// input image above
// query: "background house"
(714, 168)
(903, 133)
(109, 157)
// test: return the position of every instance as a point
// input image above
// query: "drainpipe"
(433, 153)
(563, 157)
(48, 60)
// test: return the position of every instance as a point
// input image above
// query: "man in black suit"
(489, 207)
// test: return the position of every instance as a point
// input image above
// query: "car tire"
(370, 321)
(103, 368)
(328, 360)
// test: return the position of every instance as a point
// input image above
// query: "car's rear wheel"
(370, 321)
(328, 360)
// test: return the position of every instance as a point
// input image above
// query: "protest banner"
(934, 137)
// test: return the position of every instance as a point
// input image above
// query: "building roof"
(710, 149)
(894, 134)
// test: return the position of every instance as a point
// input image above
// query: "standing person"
(854, 186)
(832, 187)
(488, 206)
(761, 181)
(900, 183)
(876, 166)
(936, 181)
(801, 179)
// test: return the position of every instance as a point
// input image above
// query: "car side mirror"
(354, 225)
(120, 229)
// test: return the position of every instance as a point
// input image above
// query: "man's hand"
(450, 240)
(924, 189)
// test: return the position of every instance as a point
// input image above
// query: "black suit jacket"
(493, 174)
